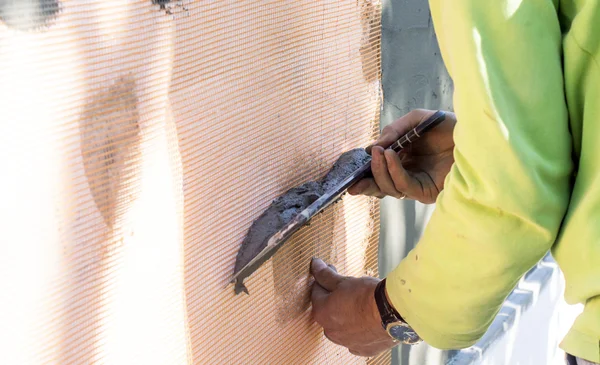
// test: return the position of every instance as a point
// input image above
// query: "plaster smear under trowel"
(284, 208)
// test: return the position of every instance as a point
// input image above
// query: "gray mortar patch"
(284, 208)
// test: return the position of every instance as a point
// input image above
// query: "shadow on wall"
(110, 137)
(291, 274)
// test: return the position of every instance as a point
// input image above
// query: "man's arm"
(507, 192)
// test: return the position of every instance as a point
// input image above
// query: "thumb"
(324, 275)
(318, 297)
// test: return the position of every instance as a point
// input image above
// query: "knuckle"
(375, 194)
(398, 183)
(354, 190)
(347, 283)
(367, 192)
(415, 113)
(388, 130)
(384, 194)
(393, 169)
(319, 273)
(418, 113)
(384, 190)
(375, 191)
(389, 191)
(396, 194)
(378, 169)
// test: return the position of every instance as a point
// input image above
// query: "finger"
(324, 276)
(318, 296)
(382, 175)
(366, 187)
(401, 126)
(332, 267)
(388, 136)
(402, 180)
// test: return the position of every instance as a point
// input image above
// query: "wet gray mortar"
(284, 208)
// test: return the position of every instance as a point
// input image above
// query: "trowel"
(308, 201)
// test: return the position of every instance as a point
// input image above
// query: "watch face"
(403, 333)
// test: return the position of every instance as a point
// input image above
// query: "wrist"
(369, 309)
(391, 321)
(389, 301)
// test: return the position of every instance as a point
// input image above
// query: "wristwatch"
(391, 320)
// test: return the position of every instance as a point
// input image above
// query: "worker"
(515, 173)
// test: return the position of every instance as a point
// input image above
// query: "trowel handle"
(418, 131)
(408, 138)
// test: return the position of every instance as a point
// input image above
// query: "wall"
(140, 140)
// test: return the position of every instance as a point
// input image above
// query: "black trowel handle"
(408, 138)
(418, 131)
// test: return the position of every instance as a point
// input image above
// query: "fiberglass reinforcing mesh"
(140, 139)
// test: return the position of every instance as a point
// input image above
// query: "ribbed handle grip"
(418, 131)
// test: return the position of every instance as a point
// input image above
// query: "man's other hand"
(345, 307)
(418, 172)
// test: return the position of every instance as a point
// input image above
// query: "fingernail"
(316, 261)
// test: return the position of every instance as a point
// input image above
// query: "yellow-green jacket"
(526, 177)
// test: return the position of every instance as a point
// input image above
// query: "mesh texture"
(140, 139)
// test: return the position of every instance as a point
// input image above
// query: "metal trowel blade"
(281, 236)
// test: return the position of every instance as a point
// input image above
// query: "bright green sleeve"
(507, 193)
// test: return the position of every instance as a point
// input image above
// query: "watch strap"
(388, 313)
(391, 320)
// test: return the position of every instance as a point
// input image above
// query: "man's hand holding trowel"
(520, 177)
(356, 312)
(419, 170)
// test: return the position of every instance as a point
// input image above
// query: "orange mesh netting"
(140, 139)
